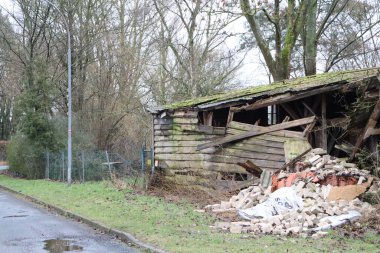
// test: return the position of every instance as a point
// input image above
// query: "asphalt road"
(27, 228)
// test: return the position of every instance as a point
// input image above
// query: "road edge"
(121, 235)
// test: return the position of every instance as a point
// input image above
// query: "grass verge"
(174, 227)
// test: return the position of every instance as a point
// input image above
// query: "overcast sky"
(252, 71)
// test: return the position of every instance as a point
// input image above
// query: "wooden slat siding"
(178, 143)
(179, 130)
(165, 121)
(262, 142)
(250, 155)
(183, 150)
(257, 148)
(266, 137)
(184, 143)
(175, 126)
(249, 127)
(239, 146)
(204, 138)
(192, 137)
(210, 166)
(175, 132)
(211, 130)
(273, 128)
(205, 165)
(185, 114)
(197, 172)
(217, 158)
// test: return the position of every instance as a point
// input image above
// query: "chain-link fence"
(92, 165)
(96, 165)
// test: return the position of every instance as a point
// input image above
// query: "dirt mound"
(197, 196)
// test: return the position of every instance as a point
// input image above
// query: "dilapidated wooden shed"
(205, 141)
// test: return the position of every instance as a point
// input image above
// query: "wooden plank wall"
(176, 139)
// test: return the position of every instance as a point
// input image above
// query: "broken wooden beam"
(371, 123)
(256, 132)
(251, 168)
(371, 131)
(309, 128)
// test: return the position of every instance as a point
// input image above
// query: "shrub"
(25, 158)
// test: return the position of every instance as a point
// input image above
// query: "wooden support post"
(207, 118)
(230, 116)
(370, 124)
(324, 123)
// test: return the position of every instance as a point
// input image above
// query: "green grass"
(170, 226)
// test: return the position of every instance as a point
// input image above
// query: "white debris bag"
(337, 220)
(281, 201)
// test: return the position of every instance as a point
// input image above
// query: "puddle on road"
(60, 246)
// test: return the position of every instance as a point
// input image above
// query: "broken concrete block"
(319, 234)
(294, 230)
(348, 165)
(235, 229)
(314, 159)
(222, 225)
(319, 151)
(300, 185)
(255, 228)
(213, 207)
(361, 179)
(301, 218)
(256, 189)
(311, 187)
(225, 205)
(266, 228)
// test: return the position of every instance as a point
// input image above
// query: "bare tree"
(191, 38)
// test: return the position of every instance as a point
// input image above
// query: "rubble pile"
(319, 177)
(317, 166)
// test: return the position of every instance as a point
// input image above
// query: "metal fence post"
(82, 166)
(47, 165)
(152, 159)
(109, 164)
(63, 166)
(142, 158)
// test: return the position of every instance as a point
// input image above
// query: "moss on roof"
(299, 84)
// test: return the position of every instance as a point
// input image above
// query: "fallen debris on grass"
(321, 193)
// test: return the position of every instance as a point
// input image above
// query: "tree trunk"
(309, 39)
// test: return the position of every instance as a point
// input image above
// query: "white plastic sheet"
(338, 220)
(281, 201)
